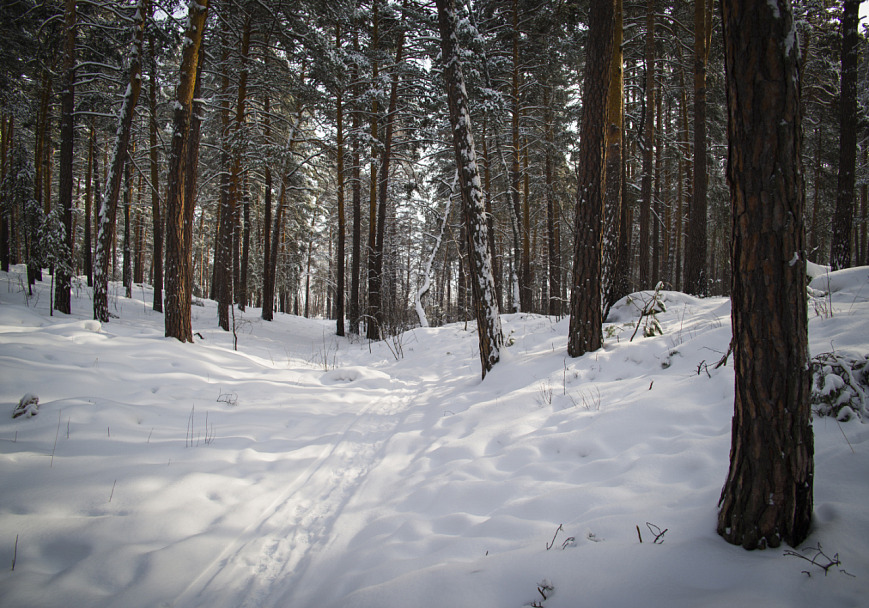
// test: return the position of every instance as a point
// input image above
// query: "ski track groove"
(284, 538)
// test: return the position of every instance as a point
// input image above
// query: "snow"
(309, 470)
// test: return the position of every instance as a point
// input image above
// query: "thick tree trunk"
(177, 301)
(482, 283)
(767, 497)
(840, 244)
(62, 291)
(585, 333)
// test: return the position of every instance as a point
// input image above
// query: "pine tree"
(483, 284)
(586, 325)
(767, 497)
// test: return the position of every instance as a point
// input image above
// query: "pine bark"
(767, 497)
(585, 332)
(840, 245)
(486, 311)
(177, 300)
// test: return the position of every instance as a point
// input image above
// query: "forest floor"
(308, 470)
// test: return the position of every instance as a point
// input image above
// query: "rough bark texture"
(177, 300)
(767, 497)
(482, 283)
(586, 326)
(840, 246)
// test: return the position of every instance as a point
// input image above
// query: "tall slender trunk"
(840, 244)
(178, 209)
(127, 265)
(489, 333)
(648, 148)
(88, 206)
(267, 290)
(339, 170)
(696, 246)
(356, 189)
(157, 255)
(62, 291)
(109, 205)
(227, 230)
(374, 297)
(613, 167)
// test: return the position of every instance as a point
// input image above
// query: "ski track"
(265, 561)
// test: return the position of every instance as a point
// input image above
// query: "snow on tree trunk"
(109, 208)
(426, 275)
(482, 282)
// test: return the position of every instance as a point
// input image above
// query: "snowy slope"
(306, 470)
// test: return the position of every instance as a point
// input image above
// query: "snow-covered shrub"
(840, 385)
(28, 406)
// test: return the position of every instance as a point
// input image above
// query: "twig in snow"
(552, 544)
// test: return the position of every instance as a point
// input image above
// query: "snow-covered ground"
(310, 471)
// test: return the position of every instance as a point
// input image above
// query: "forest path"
(260, 567)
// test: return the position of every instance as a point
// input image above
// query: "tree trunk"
(613, 166)
(482, 282)
(226, 260)
(157, 259)
(356, 188)
(62, 292)
(376, 295)
(648, 148)
(108, 208)
(267, 290)
(695, 249)
(585, 333)
(339, 170)
(840, 244)
(372, 331)
(88, 207)
(767, 497)
(177, 301)
(127, 265)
